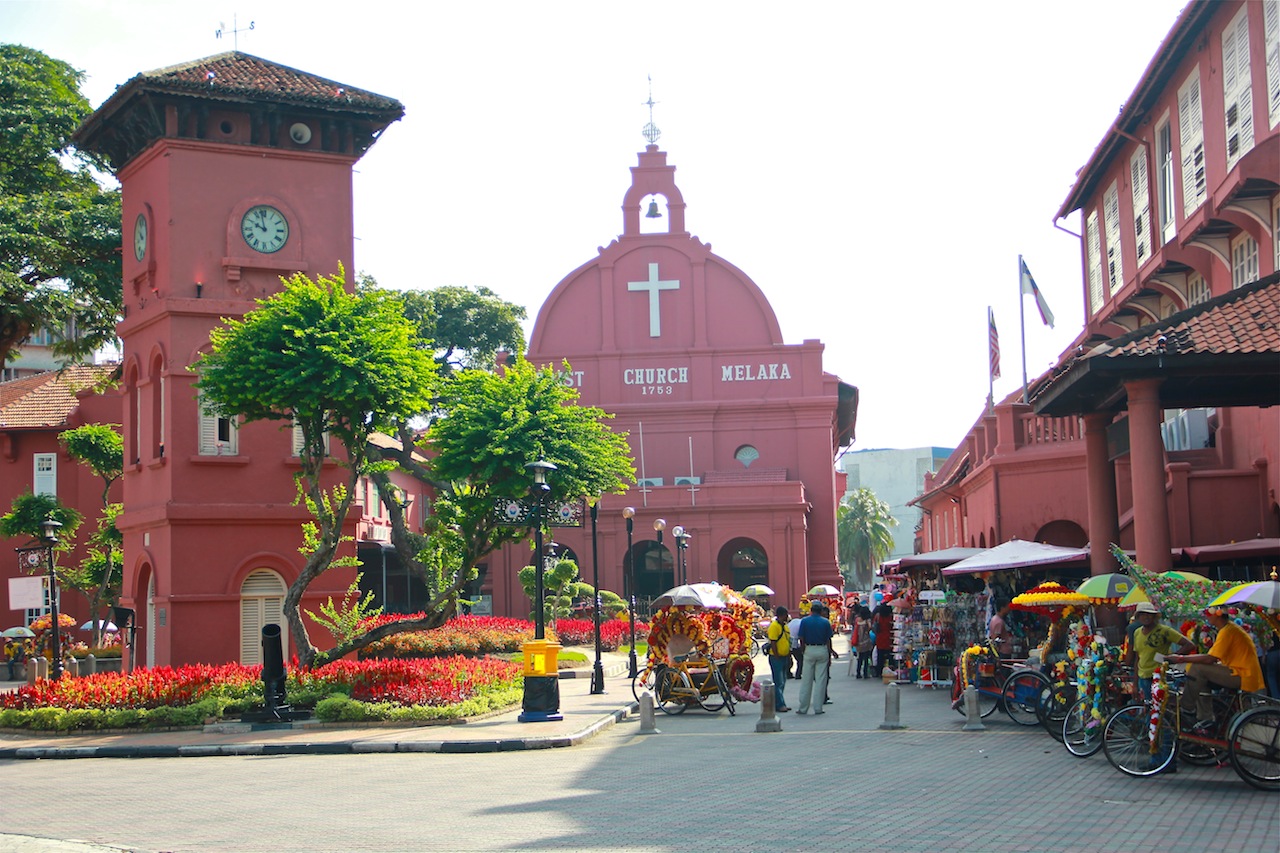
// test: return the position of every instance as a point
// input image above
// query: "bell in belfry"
(653, 212)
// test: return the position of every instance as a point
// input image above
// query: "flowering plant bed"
(400, 690)
(461, 635)
(613, 632)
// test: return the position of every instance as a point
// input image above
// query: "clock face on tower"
(140, 237)
(264, 228)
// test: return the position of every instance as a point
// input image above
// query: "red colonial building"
(1158, 429)
(733, 432)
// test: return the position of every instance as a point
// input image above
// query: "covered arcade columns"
(1104, 510)
(1146, 454)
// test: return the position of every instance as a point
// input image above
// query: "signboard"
(26, 593)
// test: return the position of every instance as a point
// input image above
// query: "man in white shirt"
(794, 627)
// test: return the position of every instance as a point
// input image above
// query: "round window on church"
(746, 455)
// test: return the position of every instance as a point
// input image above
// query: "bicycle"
(692, 680)
(1008, 684)
(1081, 731)
(1140, 741)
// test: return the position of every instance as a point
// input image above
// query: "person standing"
(779, 655)
(794, 627)
(1150, 639)
(998, 629)
(862, 628)
(815, 643)
(882, 623)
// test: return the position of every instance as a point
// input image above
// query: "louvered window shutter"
(250, 631)
(1093, 252)
(297, 441)
(261, 603)
(1191, 130)
(1111, 220)
(1271, 37)
(1237, 88)
(45, 480)
(1141, 205)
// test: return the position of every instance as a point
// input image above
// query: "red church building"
(733, 432)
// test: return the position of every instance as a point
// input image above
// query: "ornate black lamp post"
(540, 492)
(629, 513)
(682, 542)
(597, 673)
(50, 527)
(541, 681)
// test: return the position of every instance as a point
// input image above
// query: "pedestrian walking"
(882, 623)
(779, 636)
(815, 642)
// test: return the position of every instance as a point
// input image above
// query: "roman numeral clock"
(264, 228)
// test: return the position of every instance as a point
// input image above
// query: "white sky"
(876, 168)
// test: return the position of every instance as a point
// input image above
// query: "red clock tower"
(235, 171)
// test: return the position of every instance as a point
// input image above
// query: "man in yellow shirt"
(1232, 662)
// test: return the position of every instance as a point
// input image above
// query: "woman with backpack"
(779, 655)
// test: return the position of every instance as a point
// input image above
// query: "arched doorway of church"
(261, 603)
(145, 637)
(654, 573)
(1068, 534)
(742, 562)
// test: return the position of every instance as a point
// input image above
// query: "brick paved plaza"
(706, 782)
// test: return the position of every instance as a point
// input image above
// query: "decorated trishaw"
(700, 638)
(832, 598)
(1144, 739)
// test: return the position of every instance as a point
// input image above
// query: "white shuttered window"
(261, 603)
(1271, 37)
(1237, 88)
(45, 478)
(1093, 257)
(1111, 220)
(1141, 204)
(218, 435)
(1191, 131)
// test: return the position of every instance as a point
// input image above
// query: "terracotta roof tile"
(46, 399)
(1246, 320)
(242, 75)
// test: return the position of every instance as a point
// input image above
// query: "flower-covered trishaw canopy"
(713, 621)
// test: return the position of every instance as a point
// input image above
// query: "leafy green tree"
(330, 362)
(864, 535)
(59, 227)
(491, 426)
(560, 587)
(24, 518)
(100, 447)
(464, 327)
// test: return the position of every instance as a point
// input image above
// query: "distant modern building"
(896, 476)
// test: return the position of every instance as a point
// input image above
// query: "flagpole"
(1022, 325)
(991, 380)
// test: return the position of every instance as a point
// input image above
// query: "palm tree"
(863, 535)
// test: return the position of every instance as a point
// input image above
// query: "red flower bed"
(613, 633)
(460, 635)
(145, 688)
(430, 681)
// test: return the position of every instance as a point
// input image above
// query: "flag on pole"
(993, 338)
(1028, 285)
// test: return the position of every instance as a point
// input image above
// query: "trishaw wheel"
(1054, 711)
(1127, 745)
(989, 690)
(1202, 754)
(1081, 733)
(671, 692)
(1254, 747)
(646, 680)
(1024, 693)
(710, 696)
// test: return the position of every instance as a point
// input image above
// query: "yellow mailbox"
(540, 657)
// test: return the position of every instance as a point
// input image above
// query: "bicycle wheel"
(1207, 755)
(1254, 747)
(1053, 711)
(1024, 693)
(1126, 741)
(989, 692)
(727, 695)
(673, 691)
(1081, 733)
(710, 696)
(646, 679)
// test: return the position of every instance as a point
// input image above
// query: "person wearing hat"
(1232, 662)
(1150, 639)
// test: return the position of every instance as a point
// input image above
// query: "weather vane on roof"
(651, 131)
(235, 31)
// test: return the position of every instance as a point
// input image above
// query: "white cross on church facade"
(654, 286)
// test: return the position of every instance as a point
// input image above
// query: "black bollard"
(273, 673)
